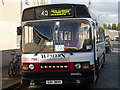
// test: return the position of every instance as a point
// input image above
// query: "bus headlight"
(77, 66)
(31, 66)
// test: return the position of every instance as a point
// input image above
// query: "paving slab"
(8, 81)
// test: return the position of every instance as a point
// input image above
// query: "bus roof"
(53, 11)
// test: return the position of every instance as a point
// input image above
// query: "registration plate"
(53, 81)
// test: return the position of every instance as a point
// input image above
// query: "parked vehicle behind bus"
(117, 38)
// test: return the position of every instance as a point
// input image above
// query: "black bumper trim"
(41, 77)
(68, 81)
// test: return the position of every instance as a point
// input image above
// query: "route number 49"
(44, 13)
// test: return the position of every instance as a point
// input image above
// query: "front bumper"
(67, 77)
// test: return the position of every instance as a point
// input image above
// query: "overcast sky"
(105, 10)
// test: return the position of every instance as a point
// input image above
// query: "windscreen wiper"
(39, 34)
(42, 43)
(70, 51)
(42, 46)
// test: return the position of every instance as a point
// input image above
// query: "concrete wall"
(5, 57)
(10, 19)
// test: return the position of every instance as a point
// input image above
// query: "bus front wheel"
(96, 72)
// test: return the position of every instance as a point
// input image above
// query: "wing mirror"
(19, 30)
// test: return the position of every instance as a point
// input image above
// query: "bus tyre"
(103, 60)
(104, 57)
(96, 73)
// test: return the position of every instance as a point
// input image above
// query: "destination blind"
(54, 12)
(61, 12)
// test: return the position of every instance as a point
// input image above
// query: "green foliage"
(118, 27)
(105, 26)
(109, 26)
(114, 26)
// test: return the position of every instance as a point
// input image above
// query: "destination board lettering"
(60, 12)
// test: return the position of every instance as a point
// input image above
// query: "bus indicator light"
(85, 66)
(25, 66)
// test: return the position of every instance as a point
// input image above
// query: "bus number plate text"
(53, 81)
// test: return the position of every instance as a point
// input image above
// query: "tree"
(114, 27)
(118, 27)
(109, 26)
(105, 26)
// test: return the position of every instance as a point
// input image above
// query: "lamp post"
(89, 3)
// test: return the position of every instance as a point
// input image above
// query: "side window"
(97, 36)
(28, 34)
(100, 35)
(31, 36)
(36, 37)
